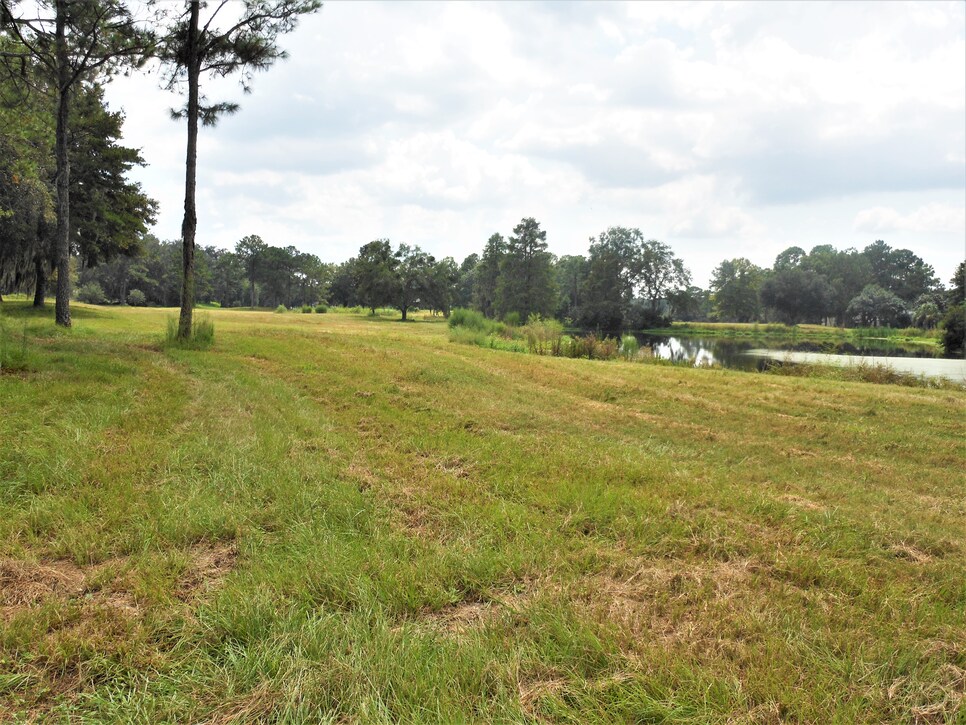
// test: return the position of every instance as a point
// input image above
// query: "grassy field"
(332, 518)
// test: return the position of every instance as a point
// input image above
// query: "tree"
(375, 274)
(343, 287)
(735, 285)
(954, 330)
(526, 284)
(227, 276)
(570, 272)
(846, 272)
(877, 306)
(466, 281)
(796, 295)
(441, 286)
(412, 275)
(488, 275)
(957, 286)
(790, 258)
(26, 205)
(899, 271)
(613, 272)
(250, 250)
(192, 50)
(660, 273)
(109, 214)
(78, 38)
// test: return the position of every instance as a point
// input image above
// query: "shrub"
(954, 330)
(281, 309)
(511, 319)
(91, 293)
(630, 347)
(306, 309)
(136, 298)
(322, 308)
(544, 337)
(462, 317)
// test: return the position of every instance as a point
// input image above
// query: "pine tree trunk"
(62, 179)
(40, 289)
(190, 223)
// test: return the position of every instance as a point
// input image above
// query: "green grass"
(335, 518)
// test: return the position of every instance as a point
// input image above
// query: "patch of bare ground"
(208, 565)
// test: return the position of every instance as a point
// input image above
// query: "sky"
(723, 129)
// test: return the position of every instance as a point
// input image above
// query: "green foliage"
(512, 319)
(375, 275)
(281, 309)
(91, 293)
(877, 306)
(954, 330)
(136, 298)
(630, 348)
(526, 280)
(593, 347)
(544, 336)
(735, 285)
(322, 308)
(470, 319)
(307, 309)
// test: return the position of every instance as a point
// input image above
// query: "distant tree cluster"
(876, 286)
(406, 278)
(254, 274)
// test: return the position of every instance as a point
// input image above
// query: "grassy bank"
(337, 518)
(803, 333)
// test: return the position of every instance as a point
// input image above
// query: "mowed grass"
(333, 518)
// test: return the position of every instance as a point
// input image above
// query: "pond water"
(757, 354)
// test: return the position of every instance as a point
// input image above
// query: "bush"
(91, 293)
(281, 309)
(306, 309)
(511, 319)
(471, 319)
(322, 308)
(136, 298)
(954, 330)
(630, 347)
(544, 337)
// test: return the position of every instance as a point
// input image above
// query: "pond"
(744, 354)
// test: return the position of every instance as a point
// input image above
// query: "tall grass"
(202, 334)
(14, 352)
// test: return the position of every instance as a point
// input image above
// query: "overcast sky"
(724, 130)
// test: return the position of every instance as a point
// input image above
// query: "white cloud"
(929, 218)
(749, 124)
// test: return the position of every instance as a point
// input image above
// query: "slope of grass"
(331, 518)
